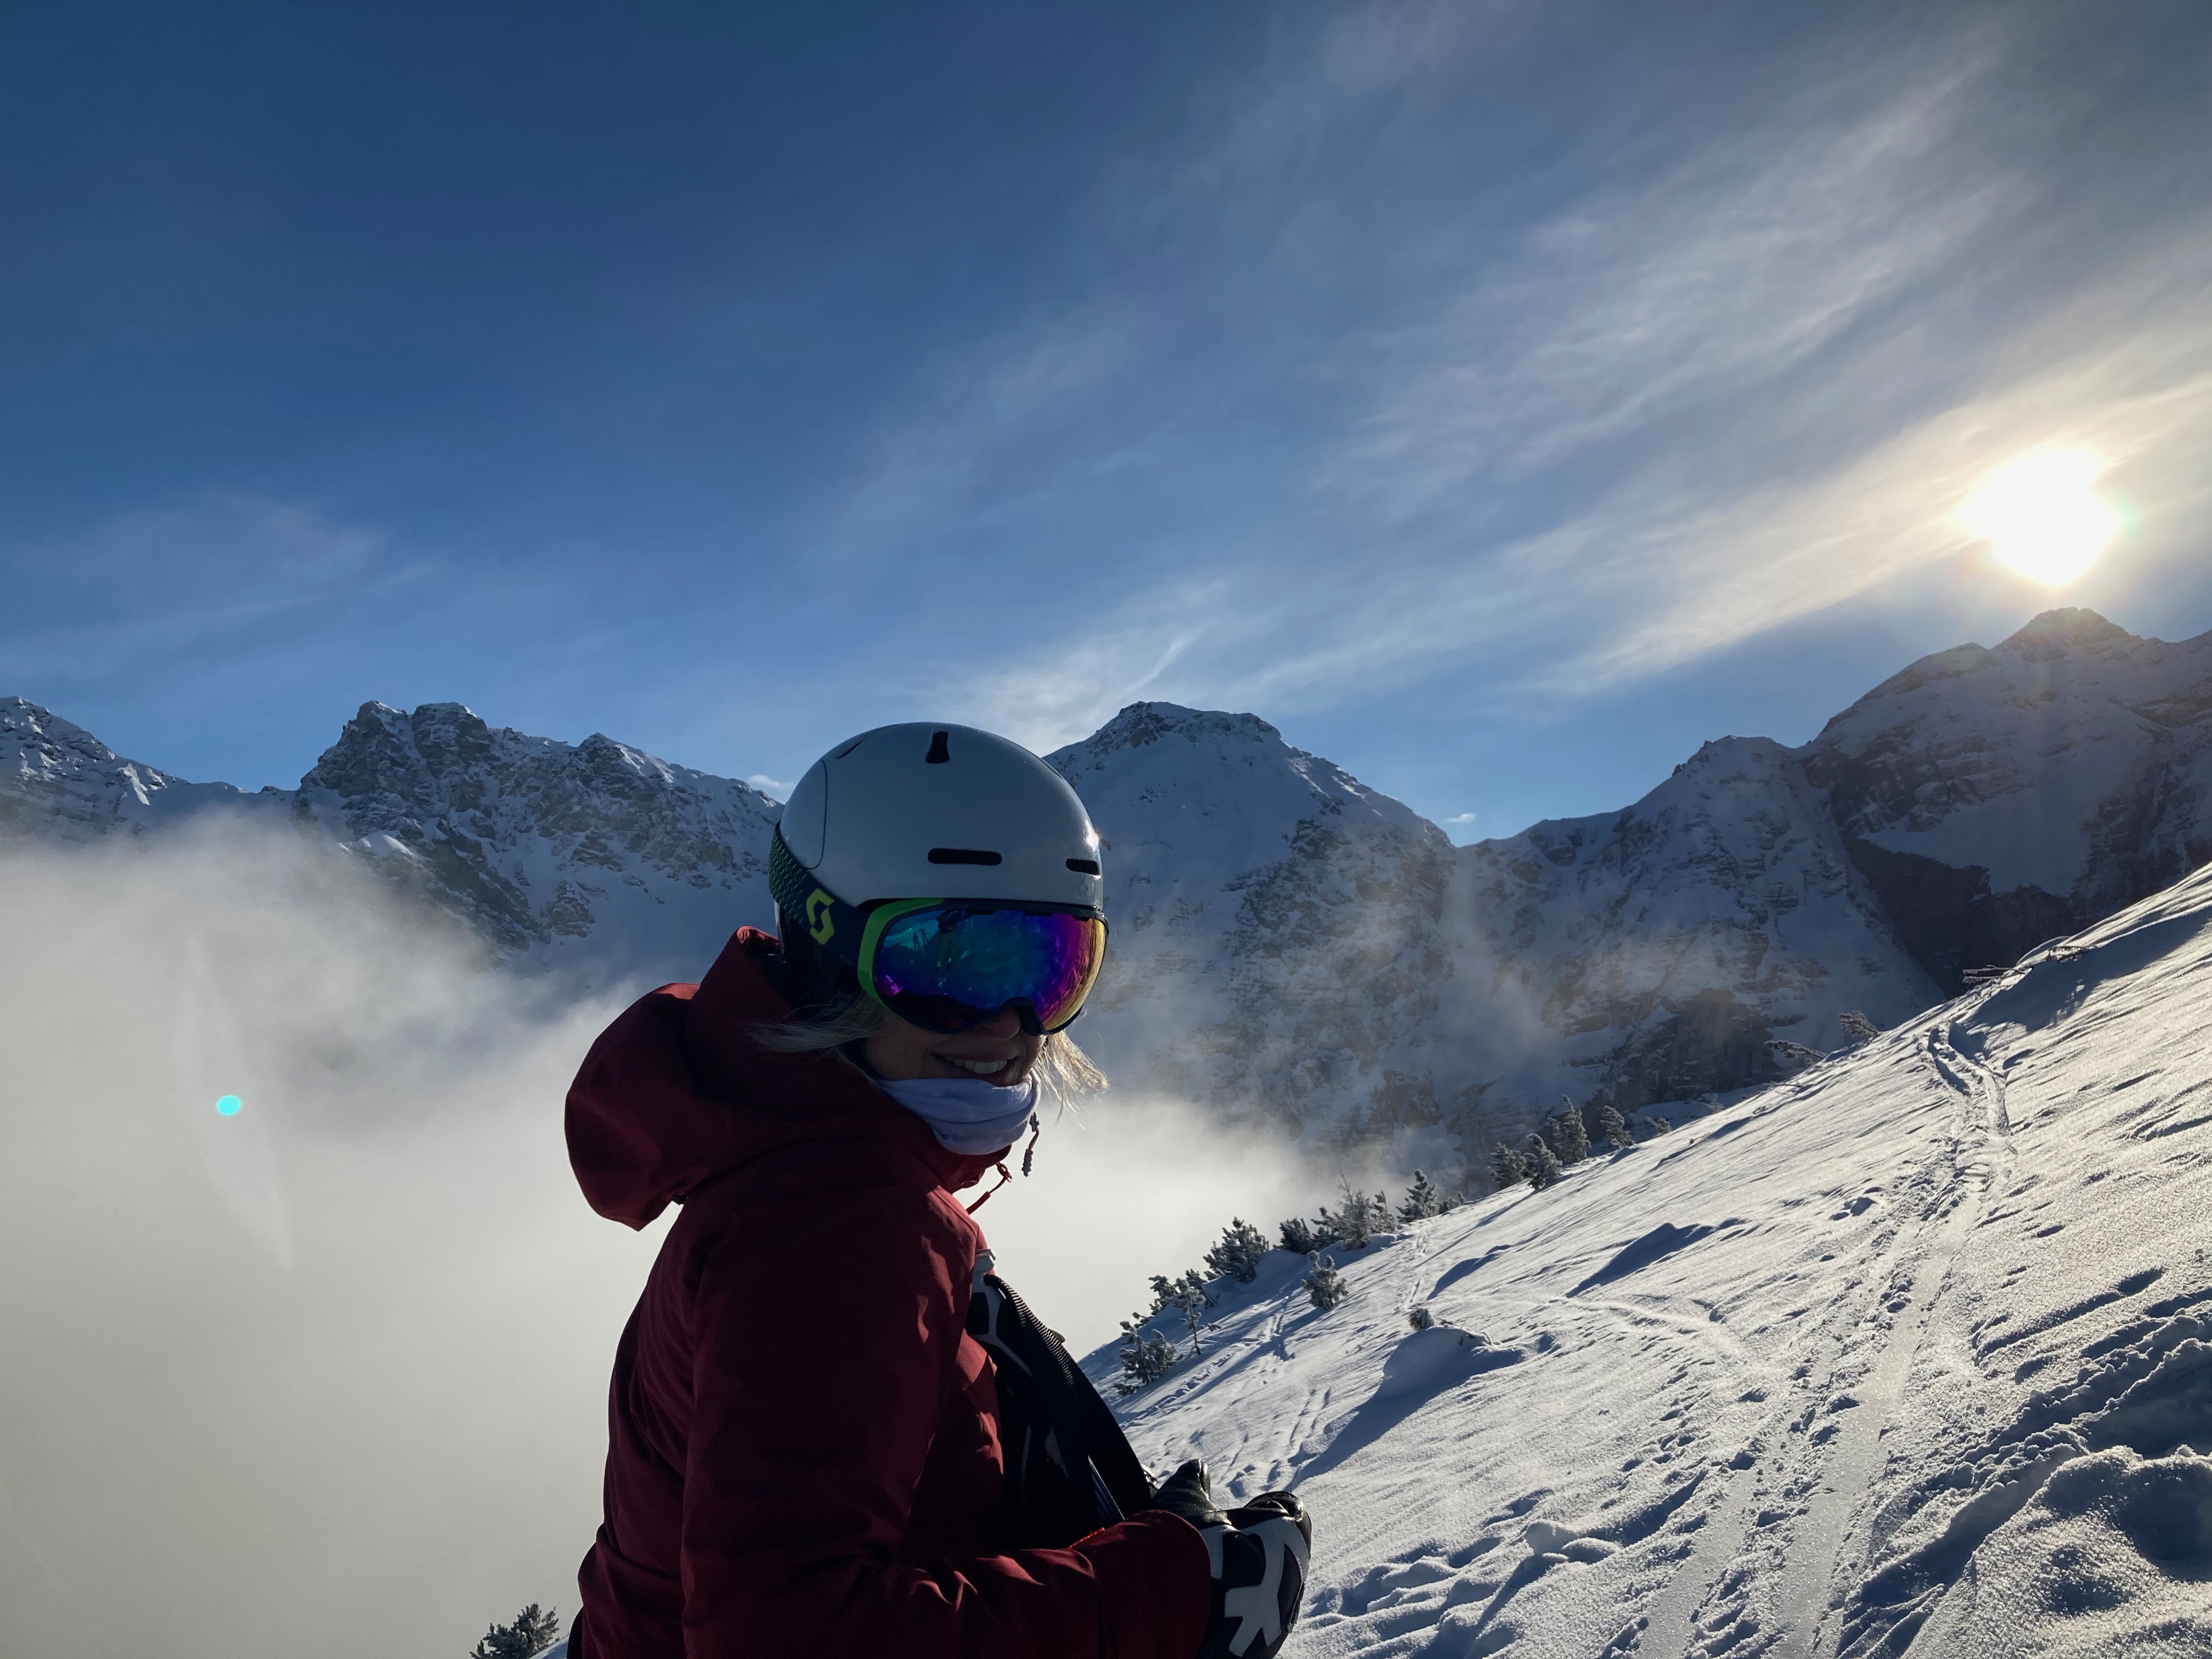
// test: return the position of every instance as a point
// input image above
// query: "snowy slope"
(594, 856)
(1921, 1339)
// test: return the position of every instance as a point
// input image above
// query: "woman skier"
(834, 1432)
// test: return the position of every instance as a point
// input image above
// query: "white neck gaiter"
(967, 1114)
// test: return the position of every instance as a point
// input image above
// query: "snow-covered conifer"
(1191, 1302)
(1145, 1355)
(1361, 1216)
(1543, 1163)
(1419, 1318)
(1240, 1252)
(1564, 1134)
(1614, 1127)
(532, 1631)
(1507, 1167)
(1422, 1200)
(1857, 1026)
(1169, 1294)
(1660, 1125)
(1298, 1236)
(1324, 1284)
(1792, 1056)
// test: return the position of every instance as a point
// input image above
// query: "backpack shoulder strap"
(1068, 1464)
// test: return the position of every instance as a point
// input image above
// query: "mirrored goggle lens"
(949, 968)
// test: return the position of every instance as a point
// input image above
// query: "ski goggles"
(949, 965)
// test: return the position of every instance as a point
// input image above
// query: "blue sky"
(1501, 398)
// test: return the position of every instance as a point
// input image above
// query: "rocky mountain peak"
(2069, 628)
(58, 782)
(28, 728)
(1141, 724)
(538, 841)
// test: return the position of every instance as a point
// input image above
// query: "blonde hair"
(1062, 1070)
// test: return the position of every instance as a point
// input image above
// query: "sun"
(2041, 516)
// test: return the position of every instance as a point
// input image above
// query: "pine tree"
(1298, 1236)
(1169, 1294)
(1422, 1200)
(1543, 1165)
(1857, 1026)
(1660, 1125)
(1563, 1134)
(1792, 1056)
(532, 1633)
(1507, 1167)
(1188, 1298)
(1419, 1318)
(1238, 1255)
(1324, 1284)
(1614, 1127)
(1145, 1355)
(1360, 1218)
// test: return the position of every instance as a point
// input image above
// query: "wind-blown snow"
(1921, 1339)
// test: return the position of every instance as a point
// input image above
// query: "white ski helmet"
(933, 811)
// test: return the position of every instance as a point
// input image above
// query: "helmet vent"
(962, 855)
(937, 757)
(1083, 866)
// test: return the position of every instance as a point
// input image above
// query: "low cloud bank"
(1125, 1188)
(327, 1372)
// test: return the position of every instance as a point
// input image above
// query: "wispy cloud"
(1665, 568)
(167, 578)
(978, 432)
(1291, 105)
(1716, 573)
(1632, 304)
(1046, 696)
(1728, 378)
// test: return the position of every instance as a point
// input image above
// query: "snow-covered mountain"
(558, 854)
(1998, 798)
(1276, 924)
(1654, 954)
(595, 858)
(59, 783)
(1288, 943)
(1912, 1350)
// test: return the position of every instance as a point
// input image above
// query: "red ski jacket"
(803, 1458)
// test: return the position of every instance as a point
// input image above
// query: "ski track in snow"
(1793, 1380)
(1817, 1550)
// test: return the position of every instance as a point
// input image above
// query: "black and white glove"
(1258, 1553)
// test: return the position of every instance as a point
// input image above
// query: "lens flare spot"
(228, 1106)
(2041, 516)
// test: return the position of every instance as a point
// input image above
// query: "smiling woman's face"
(998, 1051)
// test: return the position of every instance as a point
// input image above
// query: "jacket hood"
(675, 1093)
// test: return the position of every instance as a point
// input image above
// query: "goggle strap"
(831, 923)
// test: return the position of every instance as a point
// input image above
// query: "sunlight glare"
(2039, 514)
